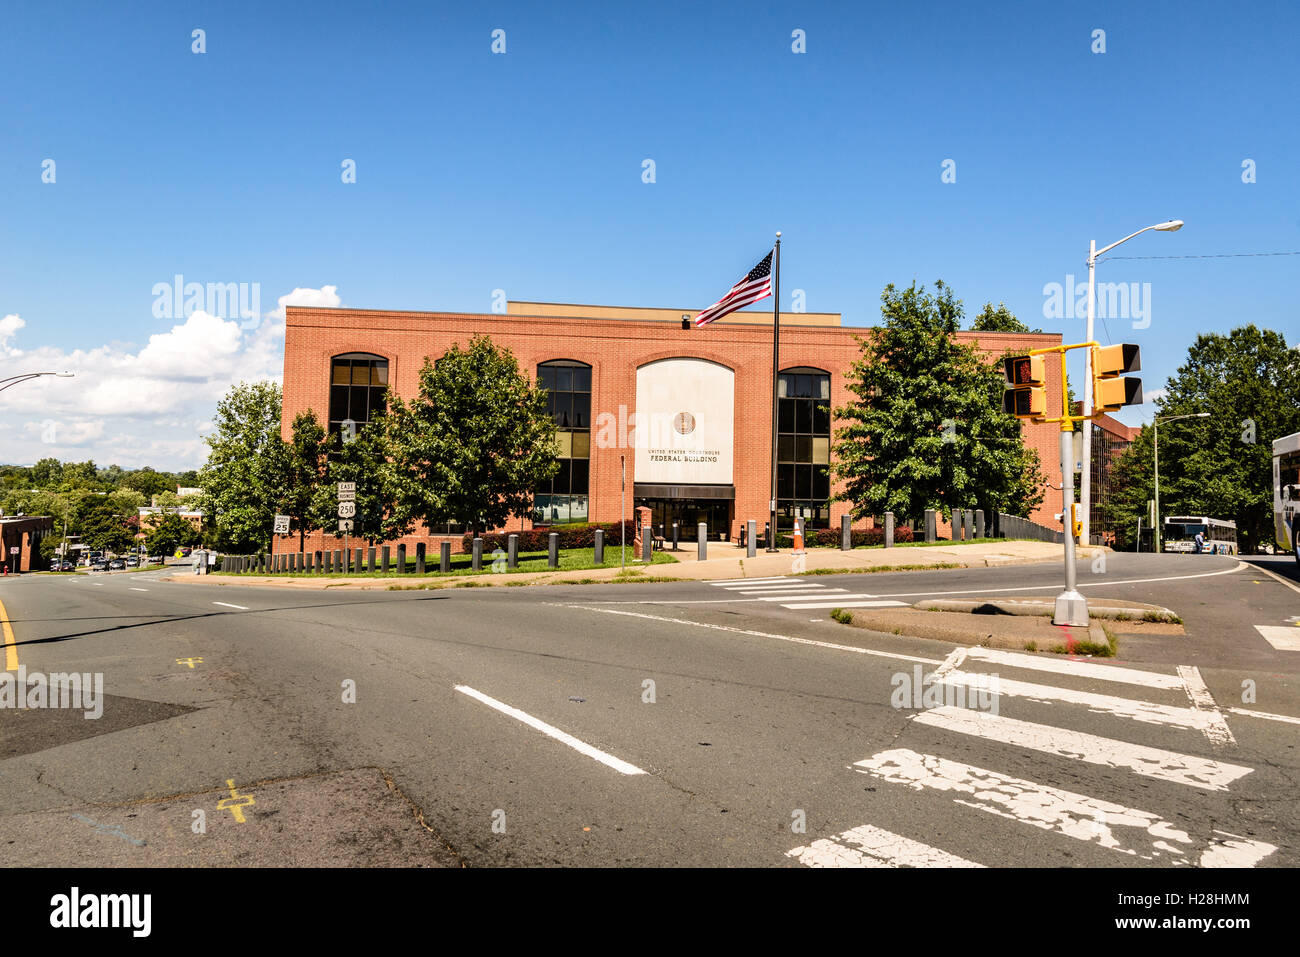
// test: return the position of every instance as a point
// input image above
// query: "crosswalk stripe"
(874, 847)
(1280, 637)
(723, 583)
(1217, 729)
(769, 589)
(1147, 712)
(854, 596)
(1082, 669)
(1127, 830)
(1092, 749)
(843, 604)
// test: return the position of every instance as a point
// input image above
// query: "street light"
(15, 379)
(1156, 449)
(1085, 480)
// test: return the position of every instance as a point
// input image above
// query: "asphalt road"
(654, 724)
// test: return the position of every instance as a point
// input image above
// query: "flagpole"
(776, 378)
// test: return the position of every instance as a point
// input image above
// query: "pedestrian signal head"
(1025, 395)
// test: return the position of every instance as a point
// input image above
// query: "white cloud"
(145, 407)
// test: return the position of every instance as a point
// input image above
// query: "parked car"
(116, 565)
(133, 562)
(186, 551)
(155, 559)
(99, 566)
(66, 567)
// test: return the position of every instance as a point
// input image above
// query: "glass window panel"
(546, 377)
(342, 373)
(563, 379)
(581, 445)
(338, 402)
(785, 448)
(803, 416)
(821, 482)
(581, 470)
(379, 373)
(378, 404)
(582, 379)
(560, 508)
(784, 481)
(563, 413)
(785, 415)
(564, 477)
(578, 508)
(357, 404)
(802, 481)
(821, 424)
(823, 390)
(360, 372)
(582, 410)
(803, 448)
(783, 389)
(564, 444)
(821, 451)
(804, 385)
(541, 503)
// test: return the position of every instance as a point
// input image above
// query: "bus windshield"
(1182, 532)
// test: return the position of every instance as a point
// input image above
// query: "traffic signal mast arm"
(1025, 395)
(1067, 421)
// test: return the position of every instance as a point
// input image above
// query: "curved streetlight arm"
(23, 377)
(1093, 257)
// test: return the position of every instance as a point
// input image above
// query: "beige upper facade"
(566, 310)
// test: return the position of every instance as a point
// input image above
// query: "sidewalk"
(725, 561)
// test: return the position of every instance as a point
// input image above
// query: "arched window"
(565, 497)
(357, 384)
(803, 446)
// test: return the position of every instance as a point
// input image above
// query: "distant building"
(20, 540)
(1110, 439)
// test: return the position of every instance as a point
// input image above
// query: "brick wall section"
(614, 348)
(25, 533)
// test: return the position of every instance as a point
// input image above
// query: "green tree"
(305, 473)
(1000, 319)
(244, 478)
(47, 473)
(103, 526)
(474, 443)
(148, 482)
(170, 532)
(1221, 466)
(926, 427)
(364, 462)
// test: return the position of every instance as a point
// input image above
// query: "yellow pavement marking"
(236, 802)
(189, 661)
(11, 644)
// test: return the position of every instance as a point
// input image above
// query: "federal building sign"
(685, 415)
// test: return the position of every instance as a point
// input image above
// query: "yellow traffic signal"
(1025, 395)
(1109, 363)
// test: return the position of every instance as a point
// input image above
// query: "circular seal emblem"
(684, 423)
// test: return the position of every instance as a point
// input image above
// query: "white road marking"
(1238, 851)
(814, 596)
(1127, 830)
(228, 605)
(875, 847)
(847, 604)
(133, 588)
(1145, 711)
(1089, 748)
(1082, 669)
(723, 583)
(1264, 714)
(788, 590)
(1217, 731)
(1057, 587)
(757, 634)
(619, 765)
(1281, 637)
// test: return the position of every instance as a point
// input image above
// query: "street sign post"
(281, 526)
(347, 492)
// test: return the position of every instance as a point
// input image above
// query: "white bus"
(1286, 493)
(1218, 535)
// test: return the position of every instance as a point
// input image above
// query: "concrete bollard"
(979, 523)
(357, 566)
(401, 559)
(370, 559)
(307, 562)
(751, 538)
(674, 536)
(444, 557)
(598, 555)
(969, 524)
(512, 551)
(553, 550)
(340, 565)
(846, 533)
(889, 529)
(385, 559)
(931, 528)
(419, 558)
(476, 557)
(647, 543)
(958, 533)
(327, 563)
(702, 541)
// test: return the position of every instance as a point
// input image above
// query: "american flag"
(756, 285)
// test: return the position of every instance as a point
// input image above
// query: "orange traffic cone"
(798, 536)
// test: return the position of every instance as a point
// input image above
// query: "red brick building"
(690, 409)
(23, 533)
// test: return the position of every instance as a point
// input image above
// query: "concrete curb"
(1039, 608)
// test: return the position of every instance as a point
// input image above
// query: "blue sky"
(523, 172)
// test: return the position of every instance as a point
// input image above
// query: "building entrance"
(688, 513)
